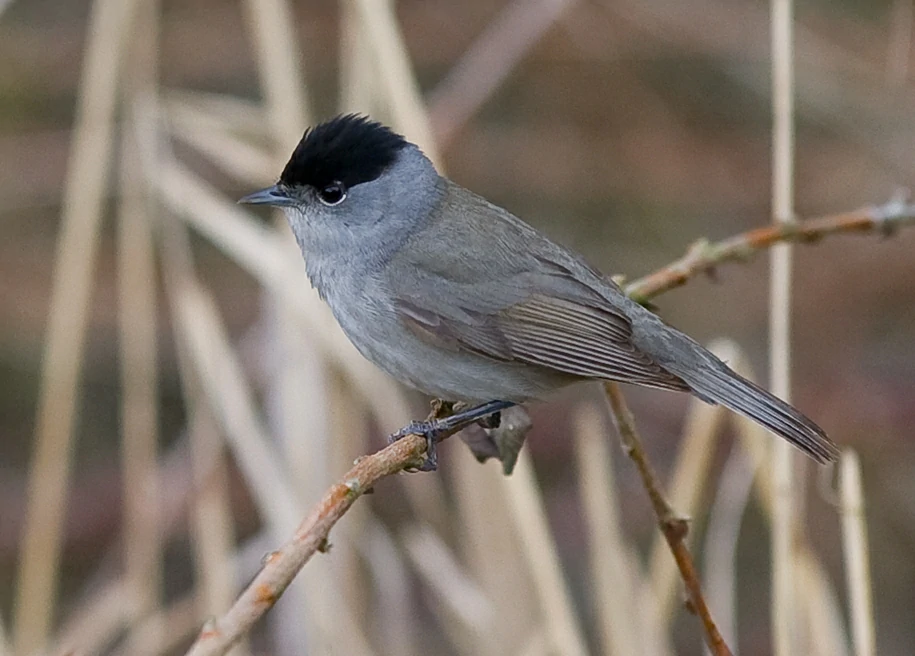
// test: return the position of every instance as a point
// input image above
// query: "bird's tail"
(716, 383)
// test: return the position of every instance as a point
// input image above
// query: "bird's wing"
(546, 331)
(523, 299)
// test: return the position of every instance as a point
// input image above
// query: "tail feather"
(726, 387)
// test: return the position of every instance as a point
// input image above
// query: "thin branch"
(704, 256)
(687, 487)
(282, 565)
(672, 526)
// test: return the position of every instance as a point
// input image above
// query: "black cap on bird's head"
(343, 152)
(351, 149)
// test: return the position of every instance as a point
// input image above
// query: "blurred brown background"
(630, 129)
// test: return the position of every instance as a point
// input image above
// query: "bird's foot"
(431, 432)
(438, 427)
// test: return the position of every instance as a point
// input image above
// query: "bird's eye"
(332, 194)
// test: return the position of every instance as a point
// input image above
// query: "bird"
(460, 299)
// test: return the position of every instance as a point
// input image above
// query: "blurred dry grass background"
(217, 400)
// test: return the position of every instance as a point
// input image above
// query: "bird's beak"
(269, 196)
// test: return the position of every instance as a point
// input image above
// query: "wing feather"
(582, 340)
(553, 333)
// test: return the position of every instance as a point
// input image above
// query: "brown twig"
(704, 256)
(672, 526)
(281, 566)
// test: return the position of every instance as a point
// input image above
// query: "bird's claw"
(431, 431)
(437, 428)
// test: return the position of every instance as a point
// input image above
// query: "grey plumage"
(460, 299)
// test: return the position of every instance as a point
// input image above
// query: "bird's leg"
(436, 429)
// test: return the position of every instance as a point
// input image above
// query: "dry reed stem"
(96, 625)
(388, 570)
(443, 573)
(253, 246)
(672, 526)
(211, 526)
(350, 426)
(137, 314)
(523, 494)
(233, 114)
(491, 547)
(816, 596)
(281, 566)
(87, 178)
(857, 558)
(732, 496)
(537, 644)
(211, 522)
(231, 399)
(249, 607)
(613, 582)
(785, 524)
(358, 83)
(821, 614)
(397, 84)
(488, 62)
(233, 154)
(163, 631)
(271, 22)
(105, 602)
(138, 325)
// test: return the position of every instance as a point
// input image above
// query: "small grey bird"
(460, 299)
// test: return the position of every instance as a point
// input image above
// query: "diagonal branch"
(672, 525)
(281, 566)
